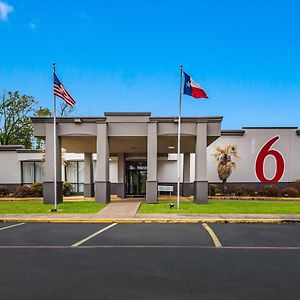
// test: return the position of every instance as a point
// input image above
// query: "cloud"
(5, 9)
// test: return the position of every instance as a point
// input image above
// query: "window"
(31, 171)
(75, 175)
(38, 171)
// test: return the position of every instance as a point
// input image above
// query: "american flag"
(61, 92)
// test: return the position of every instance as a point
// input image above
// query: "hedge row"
(35, 190)
(265, 191)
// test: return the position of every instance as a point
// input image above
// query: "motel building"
(135, 155)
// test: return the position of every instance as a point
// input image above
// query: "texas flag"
(191, 88)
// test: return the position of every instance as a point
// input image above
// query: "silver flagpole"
(54, 145)
(178, 142)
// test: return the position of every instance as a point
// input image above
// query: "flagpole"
(178, 141)
(54, 145)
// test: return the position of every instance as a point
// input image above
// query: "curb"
(161, 221)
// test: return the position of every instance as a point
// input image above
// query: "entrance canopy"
(127, 132)
(121, 134)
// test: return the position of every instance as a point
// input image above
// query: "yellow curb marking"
(143, 220)
(212, 235)
(7, 227)
(93, 235)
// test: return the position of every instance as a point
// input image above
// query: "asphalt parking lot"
(149, 261)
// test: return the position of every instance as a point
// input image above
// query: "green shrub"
(228, 190)
(296, 185)
(243, 190)
(290, 192)
(3, 191)
(67, 188)
(37, 189)
(269, 191)
(23, 192)
(214, 189)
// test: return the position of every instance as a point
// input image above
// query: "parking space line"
(212, 235)
(11, 226)
(93, 235)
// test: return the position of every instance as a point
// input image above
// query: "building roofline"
(187, 119)
(11, 147)
(121, 114)
(30, 150)
(232, 132)
(82, 119)
(271, 127)
(67, 119)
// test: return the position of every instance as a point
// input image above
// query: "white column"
(48, 184)
(201, 183)
(102, 183)
(151, 186)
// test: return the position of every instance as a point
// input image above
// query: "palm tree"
(225, 158)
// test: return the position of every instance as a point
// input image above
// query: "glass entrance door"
(136, 177)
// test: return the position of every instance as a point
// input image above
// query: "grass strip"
(33, 207)
(245, 207)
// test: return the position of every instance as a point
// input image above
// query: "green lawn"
(30, 207)
(245, 207)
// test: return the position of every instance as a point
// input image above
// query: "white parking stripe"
(212, 235)
(93, 235)
(11, 226)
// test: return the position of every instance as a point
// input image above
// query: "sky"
(125, 56)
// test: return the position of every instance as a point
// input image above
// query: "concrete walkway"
(126, 209)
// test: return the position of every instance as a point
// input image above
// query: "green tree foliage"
(15, 124)
(43, 112)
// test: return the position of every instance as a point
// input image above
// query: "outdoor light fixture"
(171, 147)
(77, 120)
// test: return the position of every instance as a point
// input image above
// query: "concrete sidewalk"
(106, 217)
(126, 209)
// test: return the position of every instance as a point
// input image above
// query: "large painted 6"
(263, 153)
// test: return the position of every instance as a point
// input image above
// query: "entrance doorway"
(136, 178)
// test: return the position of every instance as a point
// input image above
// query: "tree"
(65, 110)
(15, 124)
(225, 159)
(43, 112)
